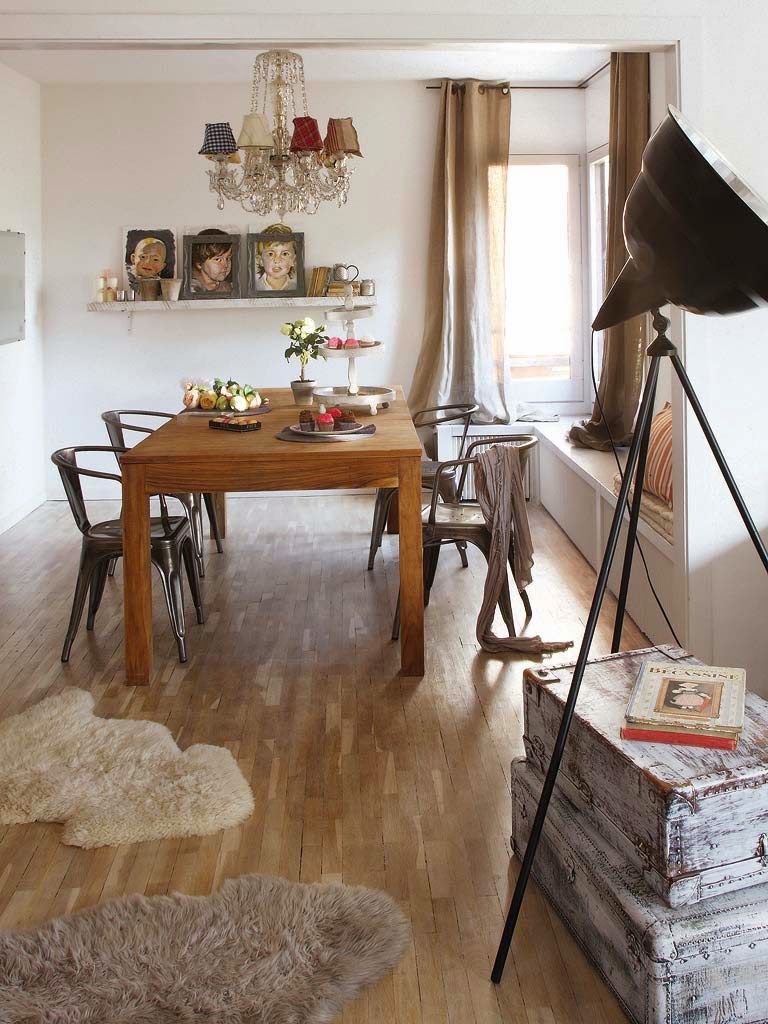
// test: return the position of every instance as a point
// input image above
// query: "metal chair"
(117, 429)
(384, 495)
(171, 547)
(450, 522)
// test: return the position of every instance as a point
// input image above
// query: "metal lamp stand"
(659, 348)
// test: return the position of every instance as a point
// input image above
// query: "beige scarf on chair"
(500, 493)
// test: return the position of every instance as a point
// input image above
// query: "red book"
(683, 739)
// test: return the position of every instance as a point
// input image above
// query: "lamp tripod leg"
(706, 429)
(643, 418)
(634, 518)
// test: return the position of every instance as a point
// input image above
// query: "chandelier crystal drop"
(285, 166)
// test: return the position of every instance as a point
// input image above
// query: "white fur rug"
(260, 951)
(113, 780)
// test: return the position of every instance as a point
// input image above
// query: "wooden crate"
(692, 820)
(700, 964)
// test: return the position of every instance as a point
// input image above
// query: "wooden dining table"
(186, 455)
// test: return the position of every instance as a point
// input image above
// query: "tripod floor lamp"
(697, 237)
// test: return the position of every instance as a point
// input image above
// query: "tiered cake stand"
(353, 396)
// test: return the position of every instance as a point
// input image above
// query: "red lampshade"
(306, 136)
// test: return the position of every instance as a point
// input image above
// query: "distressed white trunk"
(692, 820)
(698, 964)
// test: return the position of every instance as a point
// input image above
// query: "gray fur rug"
(260, 951)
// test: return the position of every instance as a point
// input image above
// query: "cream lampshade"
(255, 133)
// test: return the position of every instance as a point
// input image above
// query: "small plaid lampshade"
(341, 137)
(306, 135)
(255, 133)
(219, 139)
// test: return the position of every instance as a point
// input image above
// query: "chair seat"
(112, 529)
(455, 522)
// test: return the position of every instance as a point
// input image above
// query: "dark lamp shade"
(219, 140)
(696, 233)
(306, 136)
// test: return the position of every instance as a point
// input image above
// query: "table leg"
(393, 519)
(220, 501)
(411, 578)
(137, 578)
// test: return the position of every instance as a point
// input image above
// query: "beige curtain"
(621, 377)
(462, 349)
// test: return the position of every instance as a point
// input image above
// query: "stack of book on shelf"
(318, 281)
(690, 705)
(337, 288)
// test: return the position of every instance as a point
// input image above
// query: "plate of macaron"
(332, 421)
(350, 346)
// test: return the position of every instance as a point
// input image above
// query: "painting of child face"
(276, 262)
(148, 259)
(210, 265)
(149, 252)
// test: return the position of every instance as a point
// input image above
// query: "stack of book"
(691, 705)
(337, 288)
(318, 281)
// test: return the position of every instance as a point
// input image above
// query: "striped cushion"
(658, 469)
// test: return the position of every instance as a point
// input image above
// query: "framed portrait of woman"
(211, 265)
(275, 263)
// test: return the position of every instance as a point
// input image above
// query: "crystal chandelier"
(283, 168)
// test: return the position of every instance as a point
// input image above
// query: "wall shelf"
(160, 306)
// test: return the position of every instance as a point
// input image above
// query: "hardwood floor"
(359, 775)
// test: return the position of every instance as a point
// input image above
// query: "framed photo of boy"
(149, 252)
(211, 265)
(275, 263)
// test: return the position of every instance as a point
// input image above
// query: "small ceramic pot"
(303, 391)
(171, 288)
(149, 289)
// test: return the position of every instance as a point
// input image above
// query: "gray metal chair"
(171, 548)
(451, 522)
(456, 413)
(117, 428)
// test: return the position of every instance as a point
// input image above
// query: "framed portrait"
(275, 263)
(149, 252)
(211, 265)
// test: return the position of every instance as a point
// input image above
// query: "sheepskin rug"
(113, 780)
(260, 951)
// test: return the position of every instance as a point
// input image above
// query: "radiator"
(469, 483)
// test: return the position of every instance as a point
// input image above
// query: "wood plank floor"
(359, 775)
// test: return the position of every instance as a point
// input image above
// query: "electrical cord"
(627, 503)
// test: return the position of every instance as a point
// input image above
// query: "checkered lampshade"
(219, 139)
(341, 137)
(255, 133)
(306, 135)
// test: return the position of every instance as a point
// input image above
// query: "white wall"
(547, 121)
(133, 161)
(21, 363)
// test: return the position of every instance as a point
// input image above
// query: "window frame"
(595, 156)
(567, 397)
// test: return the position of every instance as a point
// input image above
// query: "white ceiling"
(539, 63)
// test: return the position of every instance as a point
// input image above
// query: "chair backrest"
(523, 442)
(65, 459)
(117, 427)
(458, 411)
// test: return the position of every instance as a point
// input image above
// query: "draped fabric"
(501, 495)
(462, 349)
(621, 377)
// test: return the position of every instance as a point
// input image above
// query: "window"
(598, 241)
(545, 332)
